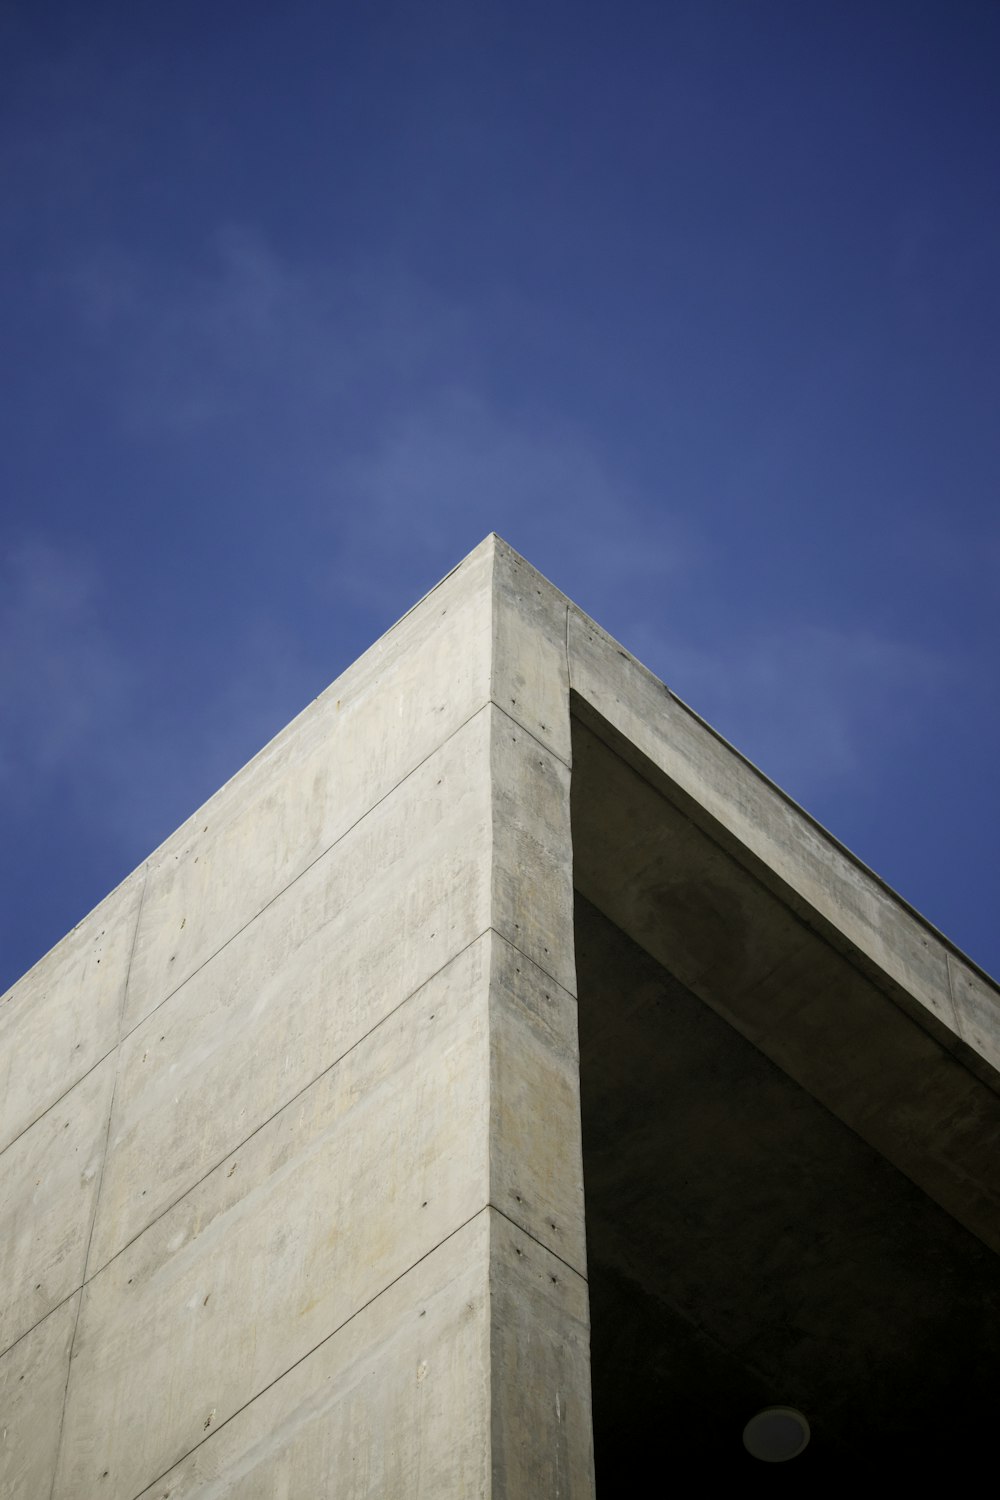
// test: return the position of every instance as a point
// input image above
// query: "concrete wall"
(292, 1188)
(290, 1172)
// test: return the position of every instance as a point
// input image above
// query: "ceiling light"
(776, 1434)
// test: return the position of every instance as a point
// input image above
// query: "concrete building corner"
(498, 1074)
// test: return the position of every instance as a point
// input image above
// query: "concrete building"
(498, 1070)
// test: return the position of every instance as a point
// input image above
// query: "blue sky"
(695, 303)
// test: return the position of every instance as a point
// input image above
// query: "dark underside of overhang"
(749, 1243)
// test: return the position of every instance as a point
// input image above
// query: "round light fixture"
(776, 1434)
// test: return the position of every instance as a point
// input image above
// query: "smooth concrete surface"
(397, 1402)
(394, 1402)
(302, 984)
(294, 1194)
(340, 1023)
(311, 1218)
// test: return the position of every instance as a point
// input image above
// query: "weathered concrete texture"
(348, 1028)
(976, 1009)
(540, 1372)
(536, 1167)
(32, 1386)
(532, 891)
(530, 671)
(48, 1191)
(63, 1016)
(317, 1213)
(395, 1402)
(368, 923)
(398, 1401)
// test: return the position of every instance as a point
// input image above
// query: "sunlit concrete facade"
(496, 1069)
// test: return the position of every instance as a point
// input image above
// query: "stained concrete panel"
(369, 730)
(329, 958)
(48, 1190)
(331, 1201)
(32, 1384)
(395, 1402)
(63, 1016)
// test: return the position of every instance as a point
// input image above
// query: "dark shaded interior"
(747, 1247)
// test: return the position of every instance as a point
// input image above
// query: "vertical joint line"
(491, 684)
(100, 1178)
